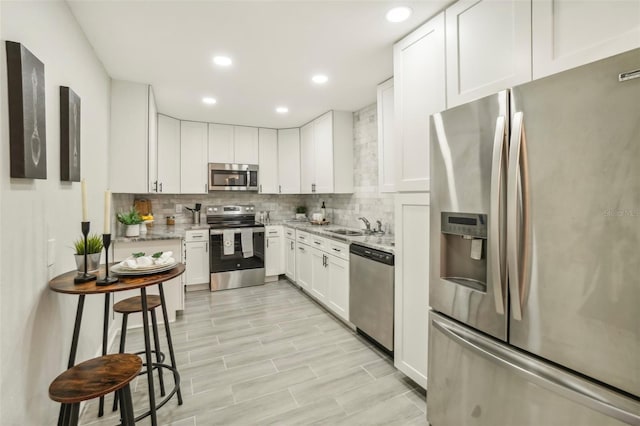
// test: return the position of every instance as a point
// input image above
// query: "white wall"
(35, 323)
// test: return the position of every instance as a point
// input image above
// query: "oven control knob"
(215, 209)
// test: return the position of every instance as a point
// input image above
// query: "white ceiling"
(276, 47)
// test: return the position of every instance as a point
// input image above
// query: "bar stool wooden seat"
(133, 305)
(93, 379)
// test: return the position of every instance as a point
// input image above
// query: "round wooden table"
(64, 284)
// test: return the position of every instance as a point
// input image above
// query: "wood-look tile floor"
(269, 355)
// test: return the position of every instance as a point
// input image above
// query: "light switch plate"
(178, 208)
(51, 251)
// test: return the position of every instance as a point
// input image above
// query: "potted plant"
(131, 221)
(93, 249)
(301, 212)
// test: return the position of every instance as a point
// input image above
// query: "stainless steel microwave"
(233, 177)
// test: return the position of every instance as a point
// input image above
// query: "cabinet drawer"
(199, 235)
(273, 231)
(319, 243)
(340, 250)
(290, 233)
(303, 237)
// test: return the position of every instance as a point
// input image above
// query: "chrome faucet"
(366, 223)
(379, 230)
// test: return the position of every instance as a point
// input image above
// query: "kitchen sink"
(346, 232)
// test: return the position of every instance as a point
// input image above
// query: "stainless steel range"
(237, 247)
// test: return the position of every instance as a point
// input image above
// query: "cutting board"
(143, 207)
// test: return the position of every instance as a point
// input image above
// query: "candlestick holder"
(84, 277)
(107, 280)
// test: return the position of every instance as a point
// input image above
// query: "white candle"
(85, 214)
(107, 212)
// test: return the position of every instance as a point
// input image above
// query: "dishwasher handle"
(372, 254)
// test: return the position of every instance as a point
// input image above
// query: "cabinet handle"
(280, 189)
(260, 188)
(196, 236)
(155, 186)
(338, 250)
(206, 247)
(291, 245)
(317, 242)
(301, 248)
(206, 188)
(267, 243)
(160, 186)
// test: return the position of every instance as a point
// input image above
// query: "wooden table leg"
(147, 347)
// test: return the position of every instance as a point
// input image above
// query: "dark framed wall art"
(27, 134)
(69, 135)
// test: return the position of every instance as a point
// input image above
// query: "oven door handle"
(255, 230)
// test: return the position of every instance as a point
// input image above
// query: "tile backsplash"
(342, 209)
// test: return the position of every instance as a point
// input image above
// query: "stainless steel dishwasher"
(371, 292)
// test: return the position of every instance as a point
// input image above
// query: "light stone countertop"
(168, 232)
(163, 232)
(381, 242)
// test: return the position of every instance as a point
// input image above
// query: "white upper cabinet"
(307, 159)
(129, 136)
(386, 159)
(167, 178)
(268, 161)
(193, 157)
(245, 145)
(326, 153)
(323, 139)
(220, 143)
(570, 33)
(233, 144)
(153, 142)
(419, 73)
(289, 161)
(488, 47)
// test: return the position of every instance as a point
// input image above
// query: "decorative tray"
(142, 270)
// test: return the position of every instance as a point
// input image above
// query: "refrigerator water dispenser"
(463, 249)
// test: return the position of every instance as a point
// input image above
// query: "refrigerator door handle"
(495, 239)
(549, 377)
(517, 224)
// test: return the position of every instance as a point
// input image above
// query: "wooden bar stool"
(134, 305)
(95, 378)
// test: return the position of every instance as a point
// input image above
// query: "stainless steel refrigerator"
(535, 253)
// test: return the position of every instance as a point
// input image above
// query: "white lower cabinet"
(303, 266)
(319, 275)
(338, 299)
(411, 301)
(273, 256)
(322, 270)
(173, 289)
(290, 254)
(197, 257)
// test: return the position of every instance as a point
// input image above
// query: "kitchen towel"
(228, 242)
(246, 237)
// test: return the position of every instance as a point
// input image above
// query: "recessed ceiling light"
(399, 14)
(223, 61)
(320, 79)
(282, 110)
(209, 101)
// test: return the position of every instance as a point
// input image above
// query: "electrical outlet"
(51, 251)
(178, 208)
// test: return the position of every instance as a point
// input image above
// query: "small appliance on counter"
(195, 213)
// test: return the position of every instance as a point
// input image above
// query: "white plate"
(143, 270)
